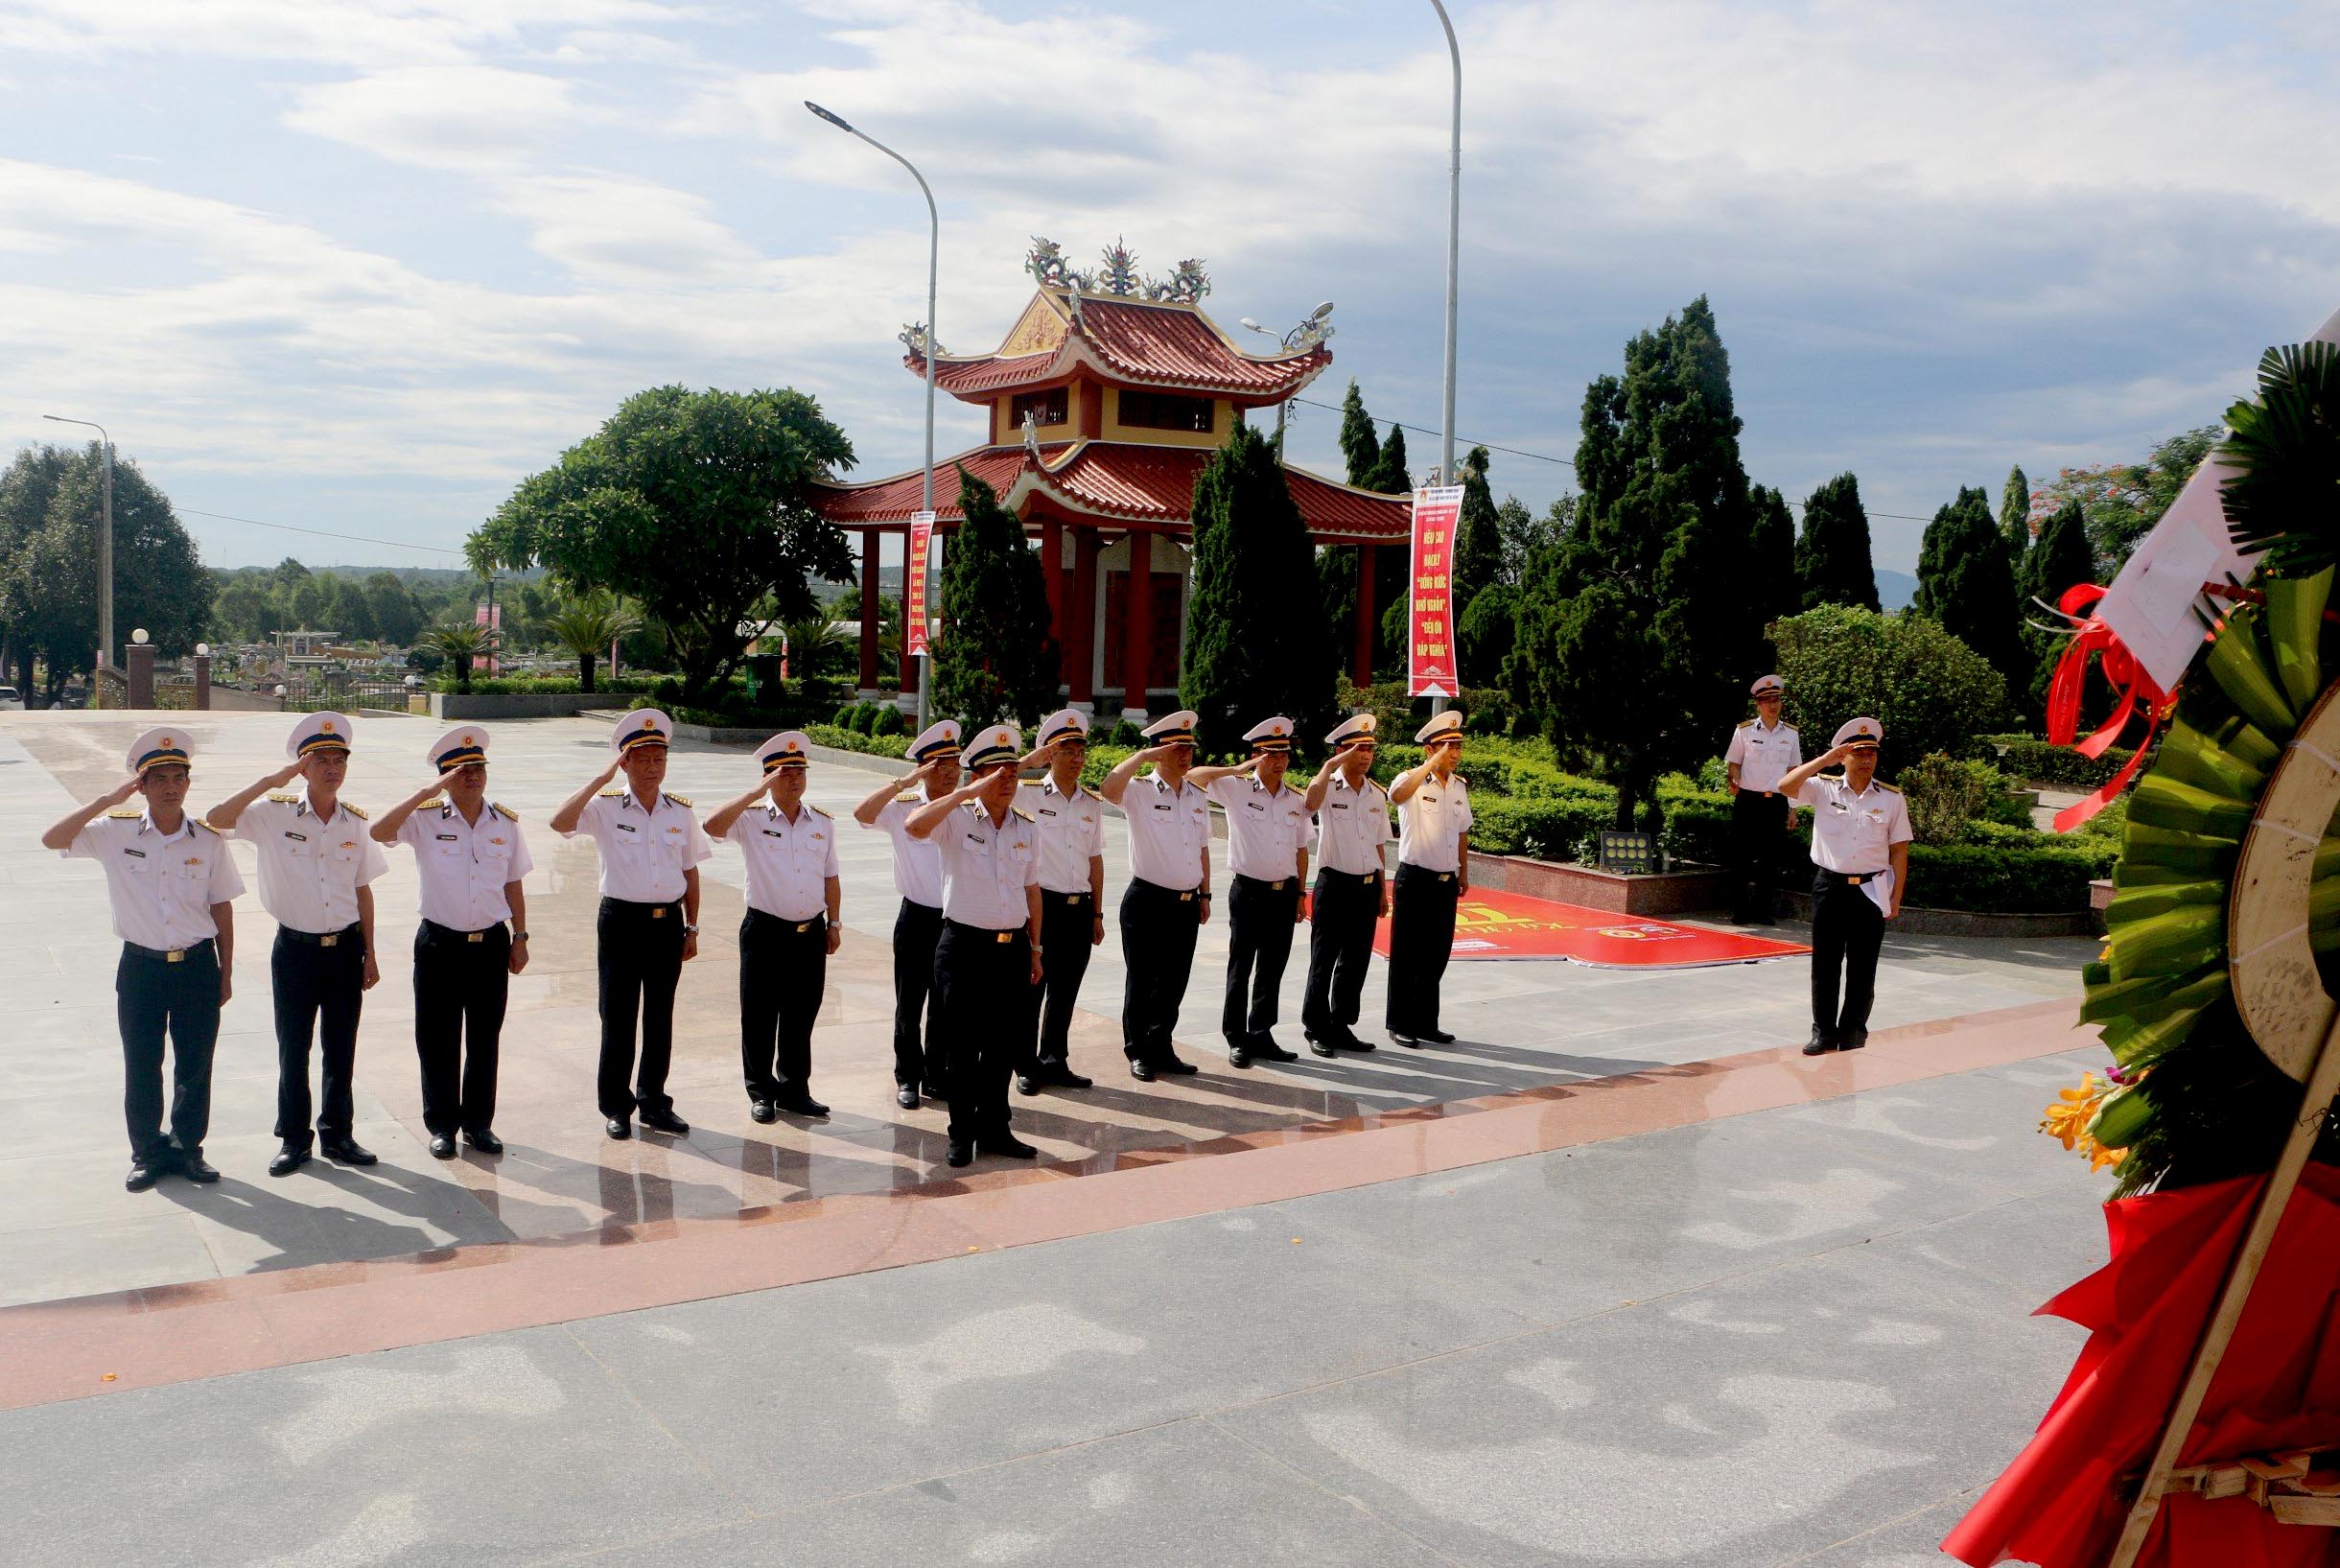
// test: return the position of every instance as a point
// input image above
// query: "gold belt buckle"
(333, 941)
(1005, 937)
(475, 936)
(658, 912)
(176, 955)
(1074, 898)
(1852, 881)
(1446, 875)
(1185, 898)
(1276, 886)
(802, 926)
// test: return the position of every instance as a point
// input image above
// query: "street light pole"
(934, 254)
(1454, 259)
(105, 541)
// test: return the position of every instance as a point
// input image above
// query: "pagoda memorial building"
(1107, 398)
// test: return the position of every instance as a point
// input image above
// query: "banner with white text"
(1431, 666)
(914, 583)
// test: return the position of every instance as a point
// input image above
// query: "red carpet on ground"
(1490, 924)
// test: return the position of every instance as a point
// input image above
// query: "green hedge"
(2005, 879)
(520, 686)
(843, 739)
(2033, 761)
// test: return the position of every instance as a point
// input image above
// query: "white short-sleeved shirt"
(1854, 833)
(1352, 824)
(1764, 757)
(1431, 823)
(643, 853)
(310, 870)
(1071, 832)
(789, 863)
(918, 865)
(161, 885)
(1266, 831)
(465, 866)
(1169, 832)
(987, 866)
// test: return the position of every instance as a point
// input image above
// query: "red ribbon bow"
(2126, 677)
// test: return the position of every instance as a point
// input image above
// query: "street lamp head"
(202, 650)
(1245, 321)
(1321, 311)
(825, 115)
(139, 636)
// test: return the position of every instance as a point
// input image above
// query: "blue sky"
(361, 264)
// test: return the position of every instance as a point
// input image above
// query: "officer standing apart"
(789, 929)
(648, 926)
(1070, 818)
(1762, 751)
(315, 861)
(1432, 872)
(1352, 886)
(471, 858)
(917, 876)
(988, 958)
(1267, 861)
(170, 880)
(1860, 848)
(1168, 897)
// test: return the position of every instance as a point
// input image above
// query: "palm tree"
(459, 642)
(587, 622)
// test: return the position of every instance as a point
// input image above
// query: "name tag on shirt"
(298, 838)
(138, 853)
(626, 826)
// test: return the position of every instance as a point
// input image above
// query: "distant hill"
(1895, 590)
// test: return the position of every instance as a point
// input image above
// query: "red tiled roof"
(1139, 344)
(1114, 479)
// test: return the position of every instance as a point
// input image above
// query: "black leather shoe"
(442, 1147)
(199, 1170)
(666, 1122)
(143, 1176)
(960, 1155)
(287, 1161)
(349, 1152)
(1006, 1146)
(1409, 1042)
(1238, 1055)
(1177, 1066)
(763, 1111)
(1066, 1078)
(1026, 1084)
(1356, 1043)
(1142, 1071)
(1854, 1041)
(1319, 1047)
(1819, 1044)
(485, 1141)
(803, 1105)
(1263, 1048)
(1437, 1037)
(906, 1095)
(620, 1128)
(934, 1094)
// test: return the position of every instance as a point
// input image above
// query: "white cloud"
(459, 117)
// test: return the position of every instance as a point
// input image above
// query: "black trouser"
(1260, 917)
(917, 928)
(1341, 916)
(318, 991)
(1157, 931)
(1847, 928)
(982, 994)
(1422, 936)
(640, 963)
(1759, 827)
(784, 966)
(152, 994)
(1067, 923)
(461, 982)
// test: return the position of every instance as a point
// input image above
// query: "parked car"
(12, 700)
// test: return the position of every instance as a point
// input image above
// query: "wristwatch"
(519, 936)
(691, 930)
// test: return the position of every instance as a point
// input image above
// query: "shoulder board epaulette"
(198, 821)
(907, 795)
(970, 806)
(285, 800)
(1022, 812)
(1745, 722)
(613, 794)
(831, 815)
(1881, 784)
(358, 812)
(500, 807)
(436, 803)
(676, 799)
(125, 816)
(1091, 793)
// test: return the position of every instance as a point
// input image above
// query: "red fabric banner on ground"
(2062, 1502)
(914, 583)
(1432, 666)
(1490, 924)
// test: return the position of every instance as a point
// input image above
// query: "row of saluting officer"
(1001, 884)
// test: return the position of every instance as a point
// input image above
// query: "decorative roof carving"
(1117, 275)
(1184, 287)
(1045, 262)
(913, 335)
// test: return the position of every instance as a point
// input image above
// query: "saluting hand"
(284, 776)
(124, 790)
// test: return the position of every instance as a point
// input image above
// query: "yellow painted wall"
(1006, 431)
(1222, 422)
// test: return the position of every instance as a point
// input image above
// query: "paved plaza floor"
(1616, 1278)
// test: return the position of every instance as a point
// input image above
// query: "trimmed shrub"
(1995, 878)
(1945, 794)
(2037, 762)
(886, 721)
(849, 739)
(1929, 691)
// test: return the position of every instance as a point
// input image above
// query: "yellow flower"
(2067, 1121)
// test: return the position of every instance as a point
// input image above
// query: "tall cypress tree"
(1965, 586)
(2061, 557)
(996, 655)
(1771, 588)
(1636, 635)
(2015, 517)
(1832, 553)
(1359, 445)
(1248, 655)
(1478, 535)
(1390, 476)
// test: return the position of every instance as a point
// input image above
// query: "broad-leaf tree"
(1248, 656)
(997, 654)
(695, 505)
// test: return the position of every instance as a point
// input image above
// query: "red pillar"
(869, 611)
(1363, 674)
(1138, 651)
(1081, 634)
(1052, 569)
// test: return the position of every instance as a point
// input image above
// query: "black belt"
(454, 933)
(1367, 877)
(1853, 878)
(322, 939)
(800, 926)
(1050, 895)
(1425, 871)
(988, 933)
(656, 911)
(1186, 895)
(1276, 886)
(168, 955)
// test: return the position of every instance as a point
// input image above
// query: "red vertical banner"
(1431, 663)
(914, 583)
(490, 617)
